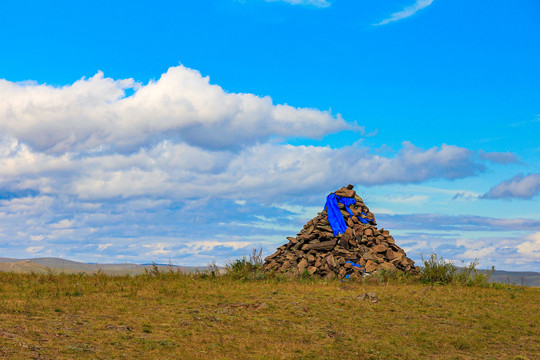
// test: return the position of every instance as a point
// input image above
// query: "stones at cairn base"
(361, 249)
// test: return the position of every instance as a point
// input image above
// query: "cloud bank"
(406, 12)
(181, 135)
(520, 186)
(180, 170)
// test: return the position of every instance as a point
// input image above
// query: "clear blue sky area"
(430, 107)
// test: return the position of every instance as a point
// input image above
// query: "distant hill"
(47, 264)
(44, 265)
(527, 278)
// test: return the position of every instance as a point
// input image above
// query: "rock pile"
(360, 250)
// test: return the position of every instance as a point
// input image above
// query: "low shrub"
(440, 271)
(247, 268)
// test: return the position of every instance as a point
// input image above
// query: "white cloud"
(520, 186)
(181, 171)
(278, 169)
(209, 245)
(158, 249)
(530, 249)
(406, 12)
(93, 115)
(63, 224)
(502, 251)
(403, 199)
(479, 253)
(34, 249)
(316, 3)
(102, 247)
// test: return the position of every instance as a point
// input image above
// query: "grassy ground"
(187, 317)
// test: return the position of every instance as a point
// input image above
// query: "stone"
(379, 248)
(387, 266)
(344, 241)
(326, 268)
(302, 265)
(344, 192)
(327, 245)
(371, 266)
(330, 260)
(292, 239)
(286, 265)
(326, 228)
(391, 255)
(368, 256)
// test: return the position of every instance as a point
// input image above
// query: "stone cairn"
(362, 249)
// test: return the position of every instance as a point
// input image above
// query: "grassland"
(173, 316)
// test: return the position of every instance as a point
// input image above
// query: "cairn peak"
(341, 241)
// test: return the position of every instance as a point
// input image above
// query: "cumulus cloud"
(82, 164)
(520, 186)
(406, 12)
(182, 170)
(316, 3)
(94, 114)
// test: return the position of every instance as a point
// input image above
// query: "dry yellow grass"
(186, 317)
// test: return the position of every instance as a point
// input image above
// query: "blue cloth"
(354, 264)
(335, 218)
(362, 220)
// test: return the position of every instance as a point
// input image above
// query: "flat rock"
(371, 266)
(379, 248)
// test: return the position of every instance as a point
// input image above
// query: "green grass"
(166, 315)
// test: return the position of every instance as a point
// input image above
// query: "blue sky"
(195, 131)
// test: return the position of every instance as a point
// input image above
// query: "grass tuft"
(440, 271)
